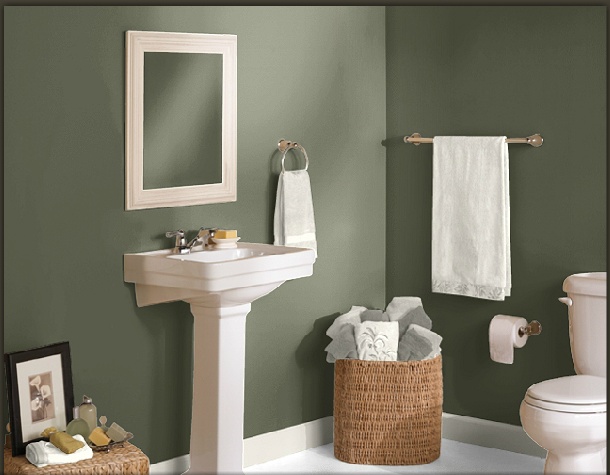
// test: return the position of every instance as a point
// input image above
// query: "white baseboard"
(265, 447)
(174, 466)
(273, 445)
(483, 433)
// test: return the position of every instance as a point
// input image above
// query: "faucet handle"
(169, 234)
(179, 235)
(203, 236)
(206, 232)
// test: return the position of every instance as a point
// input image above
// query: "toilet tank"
(587, 320)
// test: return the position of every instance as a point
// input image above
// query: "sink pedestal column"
(217, 424)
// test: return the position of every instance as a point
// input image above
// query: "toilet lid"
(587, 283)
(581, 393)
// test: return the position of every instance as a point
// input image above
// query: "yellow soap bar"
(65, 442)
(225, 234)
(99, 437)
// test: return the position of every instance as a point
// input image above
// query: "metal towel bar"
(533, 140)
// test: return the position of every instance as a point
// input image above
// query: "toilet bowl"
(567, 417)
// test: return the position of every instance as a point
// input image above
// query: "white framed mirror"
(180, 119)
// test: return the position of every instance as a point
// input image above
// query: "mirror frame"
(136, 44)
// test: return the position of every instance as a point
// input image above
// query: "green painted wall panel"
(509, 71)
(311, 74)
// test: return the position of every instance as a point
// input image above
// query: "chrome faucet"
(182, 247)
(203, 237)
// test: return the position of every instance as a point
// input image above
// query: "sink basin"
(218, 255)
(217, 277)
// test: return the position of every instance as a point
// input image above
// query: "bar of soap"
(116, 432)
(48, 431)
(98, 437)
(65, 442)
(225, 234)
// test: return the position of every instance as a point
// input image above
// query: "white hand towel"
(293, 221)
(377, 341)
(471, 217)
(43, 453)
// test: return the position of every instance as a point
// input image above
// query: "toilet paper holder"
(532, 328)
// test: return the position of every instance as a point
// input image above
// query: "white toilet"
(567, 416)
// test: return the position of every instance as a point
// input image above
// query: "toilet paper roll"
(504, 337)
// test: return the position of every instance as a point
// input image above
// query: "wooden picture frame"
(137, 43)
(40, 392)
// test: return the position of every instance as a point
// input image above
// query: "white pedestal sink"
(220, 285)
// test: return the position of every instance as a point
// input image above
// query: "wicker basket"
(126, 460)
(388, 413)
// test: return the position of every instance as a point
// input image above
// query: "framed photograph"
(40, 393)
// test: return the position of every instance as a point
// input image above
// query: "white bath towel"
(43, 453)
(471, 217)
(293, 221)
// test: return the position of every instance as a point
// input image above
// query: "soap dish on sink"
(226, 243)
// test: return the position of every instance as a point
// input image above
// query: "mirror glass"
(180, 119)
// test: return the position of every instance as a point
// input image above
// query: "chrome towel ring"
(285, 145)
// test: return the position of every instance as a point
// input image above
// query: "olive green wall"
(316, 75)
(311, 74)
(509, 71)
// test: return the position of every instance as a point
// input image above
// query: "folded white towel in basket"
(400, 305)
(352, 317)
(43, 453)
(293, 221)
(377, 341)
(471, 217)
